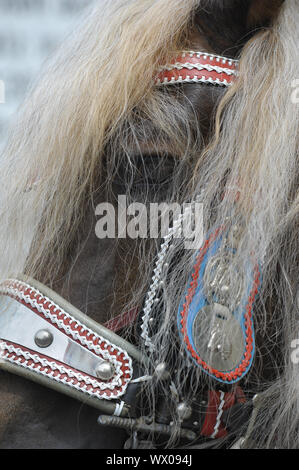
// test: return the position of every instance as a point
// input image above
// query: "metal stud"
(43, 338)
(184, 411)
(105, 371)
(161, 372)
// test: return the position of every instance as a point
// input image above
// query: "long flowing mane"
(91, 102)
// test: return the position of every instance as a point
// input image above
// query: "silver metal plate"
(218, 337)
(220, 280)
(18, 324)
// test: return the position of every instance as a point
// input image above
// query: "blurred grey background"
(29, 31)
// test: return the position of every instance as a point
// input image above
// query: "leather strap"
(123, 320)
(77, 347)
(218, 403)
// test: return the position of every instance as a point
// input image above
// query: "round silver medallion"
(43, 338)
(218, 337)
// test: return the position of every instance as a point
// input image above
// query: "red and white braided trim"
(74, 329)
(194, 67)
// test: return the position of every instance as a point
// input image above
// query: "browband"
(198, 67)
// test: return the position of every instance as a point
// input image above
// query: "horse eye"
(145, 172)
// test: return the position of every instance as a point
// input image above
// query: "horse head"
(178, 107)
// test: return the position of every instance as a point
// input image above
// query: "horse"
(165, 101)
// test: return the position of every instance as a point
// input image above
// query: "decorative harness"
(47, 340)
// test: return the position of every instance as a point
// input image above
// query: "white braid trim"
(220, 412)
(188, 79)
(152, 293)
(188, 65)
(207, 56)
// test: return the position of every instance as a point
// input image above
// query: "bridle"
(47, 340)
